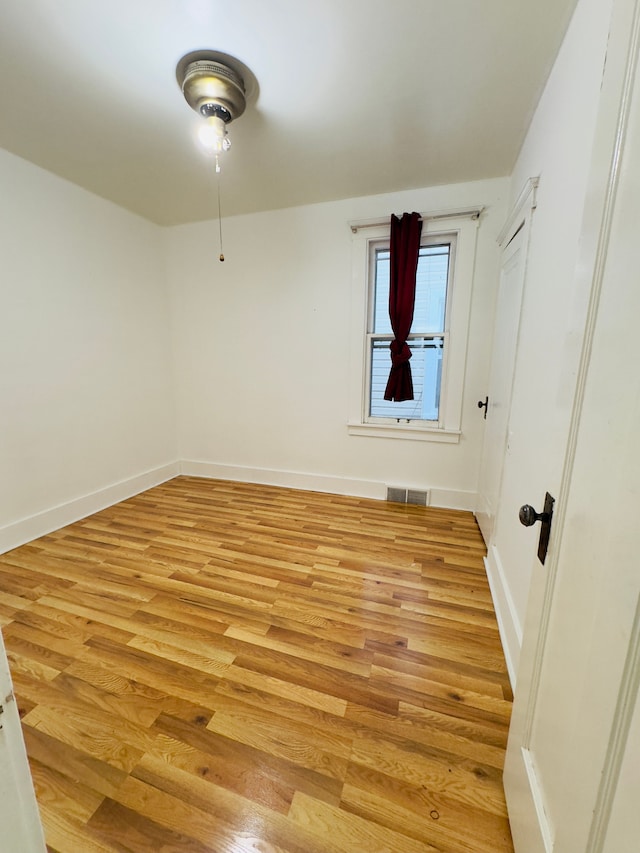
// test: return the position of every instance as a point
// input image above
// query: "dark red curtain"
(404, 250)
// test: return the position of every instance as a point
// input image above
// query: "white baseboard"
(485, 516)
(525, 799)
(286, 479)
(445, 498)
(20, 532)
(452, 499)
(506, 614)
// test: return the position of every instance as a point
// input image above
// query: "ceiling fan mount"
(212, 87)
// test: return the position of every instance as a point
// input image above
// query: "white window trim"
(449, 427)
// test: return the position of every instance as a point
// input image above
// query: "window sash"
(378, 317)
(428, 356)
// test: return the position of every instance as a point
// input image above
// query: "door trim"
(625, 708)
(19, 814)
(519, 220)
(524, 204)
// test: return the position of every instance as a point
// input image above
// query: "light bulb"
(213, 135)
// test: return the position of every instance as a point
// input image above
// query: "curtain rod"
(473, 213)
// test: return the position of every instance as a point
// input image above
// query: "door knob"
(528, 516)
(484, 404)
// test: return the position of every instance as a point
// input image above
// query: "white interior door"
(20, 828)
(514, 241)
(574, 743)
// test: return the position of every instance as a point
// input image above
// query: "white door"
(574, 743)
(20, 828)
(514, 241)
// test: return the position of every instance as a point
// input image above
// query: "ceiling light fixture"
(216, 91)
(213, 85)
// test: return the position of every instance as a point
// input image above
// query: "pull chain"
(219, 208)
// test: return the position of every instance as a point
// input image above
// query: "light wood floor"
(223, 667)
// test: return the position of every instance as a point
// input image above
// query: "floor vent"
(407, 496)
(415, 496)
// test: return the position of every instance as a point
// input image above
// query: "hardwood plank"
(240, 768)
(226, 822)
(451, 828)
(304, 746)
(308, 648)
(58, 791)
(97, 738)
(94, 623)
(35, 651)
(349, 832)
(406, 666)
(66, 835)
(287, 689)
(20, 663)
(133, 833)
(230, 696)
(405, 685)
(473, 784)
(66, 689)
(167, 651)
(433, 731)
(20, 630)
(77, 765)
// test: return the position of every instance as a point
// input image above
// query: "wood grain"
(215, 666)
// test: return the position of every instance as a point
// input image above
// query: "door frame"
(19, 815)
(519, 220)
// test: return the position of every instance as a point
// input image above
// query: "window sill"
(405, 431)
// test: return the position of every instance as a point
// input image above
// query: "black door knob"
(528, 516)
(484, 404)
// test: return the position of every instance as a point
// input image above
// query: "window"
(438, 338)
(427, 340)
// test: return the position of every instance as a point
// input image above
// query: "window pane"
(426, 371)
(431, 291)
(381, 322)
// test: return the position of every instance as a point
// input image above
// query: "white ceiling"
(354, 96)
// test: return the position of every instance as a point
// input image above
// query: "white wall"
(262, 344)
(558, 148)
(86, 404)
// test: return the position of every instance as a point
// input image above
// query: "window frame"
(463, 228)
(449, 239)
